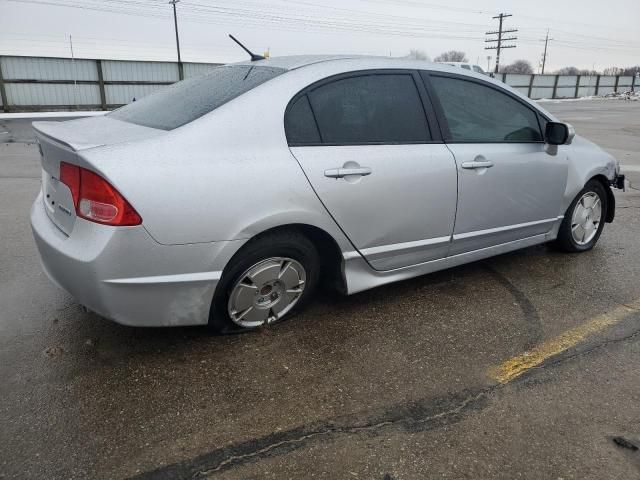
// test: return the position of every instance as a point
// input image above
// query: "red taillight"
(95, 199)
(70, 176)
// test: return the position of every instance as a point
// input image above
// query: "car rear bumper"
(122, 274)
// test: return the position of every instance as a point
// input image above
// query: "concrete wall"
(35, 83)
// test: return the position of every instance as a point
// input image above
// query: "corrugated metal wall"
(568, 86)
(35, 83)
(24, 94)
(48, 68)
(118, 70)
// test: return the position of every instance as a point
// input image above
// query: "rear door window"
(299, 123)
(478, 113)
(185, 101)
(370, 109)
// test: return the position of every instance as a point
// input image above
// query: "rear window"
(185, 101)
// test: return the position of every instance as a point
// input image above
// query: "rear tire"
(271, 277)
(584, 220)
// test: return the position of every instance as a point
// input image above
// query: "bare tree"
(631, 70)
(519, 66)
(452, 56)
(626, 71)
(576, 71)
(611, 71)
(568, 71)
(416, 54)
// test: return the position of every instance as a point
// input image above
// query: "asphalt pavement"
(521, 366)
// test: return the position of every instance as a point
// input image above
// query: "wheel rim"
(586, 218)
(265, 292)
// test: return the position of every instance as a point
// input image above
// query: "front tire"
(266, 281)
(584, 220)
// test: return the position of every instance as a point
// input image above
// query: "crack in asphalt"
(345, 430)
(424, 415)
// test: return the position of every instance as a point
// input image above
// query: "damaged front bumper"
(618, 182)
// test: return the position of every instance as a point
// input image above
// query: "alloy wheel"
(266, 291)
(586, 218)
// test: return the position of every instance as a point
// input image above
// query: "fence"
(567, 86)
(45, 84)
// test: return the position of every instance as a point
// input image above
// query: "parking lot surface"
(521, 366)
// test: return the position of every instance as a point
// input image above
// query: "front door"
(509, 187)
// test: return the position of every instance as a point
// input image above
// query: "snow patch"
(10, 116)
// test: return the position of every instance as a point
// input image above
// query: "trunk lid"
(61, 142)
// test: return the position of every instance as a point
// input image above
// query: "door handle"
(476, 164)
(343, 172)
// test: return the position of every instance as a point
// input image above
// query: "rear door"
(509, 187)
(367, 142)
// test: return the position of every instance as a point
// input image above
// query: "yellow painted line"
(516, 366)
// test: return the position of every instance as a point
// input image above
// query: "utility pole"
(544, 55)
(175, 23)
(500, 32)
(75, 73)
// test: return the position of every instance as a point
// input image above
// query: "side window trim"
(315, 120)
(442, 120)
(430, 115)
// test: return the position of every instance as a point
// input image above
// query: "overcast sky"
(585, 32)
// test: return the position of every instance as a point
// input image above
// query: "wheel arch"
(331, 270)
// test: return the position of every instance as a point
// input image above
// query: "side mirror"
(557, 133)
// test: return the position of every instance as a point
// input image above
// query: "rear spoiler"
(92, 132)
(48, 130)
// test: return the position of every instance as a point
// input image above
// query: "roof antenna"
(254, 57)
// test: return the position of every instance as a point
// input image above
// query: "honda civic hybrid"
(227, 198)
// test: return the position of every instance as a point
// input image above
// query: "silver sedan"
(228, 198)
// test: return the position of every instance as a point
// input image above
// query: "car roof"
(295, 62)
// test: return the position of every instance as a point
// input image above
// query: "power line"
(499, 46)
(209, 14)
(311, 17)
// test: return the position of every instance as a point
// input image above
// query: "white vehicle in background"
(466, 66)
